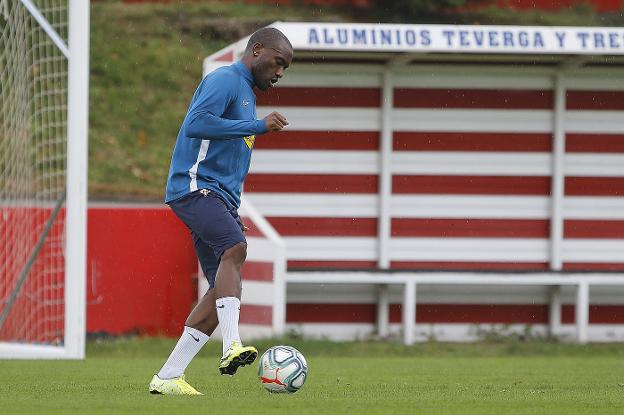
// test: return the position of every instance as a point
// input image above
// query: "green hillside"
(145, 64)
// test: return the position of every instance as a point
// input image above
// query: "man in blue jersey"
(209, 164)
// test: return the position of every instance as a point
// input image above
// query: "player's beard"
(262, 76)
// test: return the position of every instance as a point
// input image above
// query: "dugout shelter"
(443, 181)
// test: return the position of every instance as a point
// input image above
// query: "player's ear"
(257, 48)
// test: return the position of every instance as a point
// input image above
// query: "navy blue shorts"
(214, 227)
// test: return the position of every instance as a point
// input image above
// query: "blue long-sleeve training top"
(214, 144)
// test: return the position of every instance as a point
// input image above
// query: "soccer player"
(209, 164)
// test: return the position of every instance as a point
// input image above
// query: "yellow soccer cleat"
(237, 355)
(175, 386)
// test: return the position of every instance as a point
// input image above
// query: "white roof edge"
(428, 38)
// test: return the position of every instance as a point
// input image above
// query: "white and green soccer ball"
(282, 369)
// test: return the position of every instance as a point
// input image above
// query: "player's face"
(270, 64)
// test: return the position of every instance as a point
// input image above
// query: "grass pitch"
(344, 378)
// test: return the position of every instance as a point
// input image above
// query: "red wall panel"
(140, 269)
(450, 313)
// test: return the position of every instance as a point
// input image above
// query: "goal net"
(43, 132)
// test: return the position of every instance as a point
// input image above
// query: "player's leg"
(220, 227)
(228, 293)
(221, 304)
(228, 278)
(199, 325)
(204, 315)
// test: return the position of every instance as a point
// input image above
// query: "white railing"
(276, 250)
(411, 280)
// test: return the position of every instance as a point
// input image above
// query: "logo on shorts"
(250, 140)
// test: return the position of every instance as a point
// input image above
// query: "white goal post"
(44, 83)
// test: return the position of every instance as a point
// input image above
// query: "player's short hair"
(268, 36)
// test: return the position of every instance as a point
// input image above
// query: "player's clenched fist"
(275, 121)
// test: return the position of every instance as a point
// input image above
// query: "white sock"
(228, 310)
(190, 343)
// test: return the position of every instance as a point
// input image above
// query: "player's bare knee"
(237, 253)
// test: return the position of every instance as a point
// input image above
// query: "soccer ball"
(282, 369)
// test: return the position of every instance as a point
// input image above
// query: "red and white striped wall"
(471, 167)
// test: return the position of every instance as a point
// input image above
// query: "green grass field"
(345, 378)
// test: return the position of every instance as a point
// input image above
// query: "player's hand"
(275, 121)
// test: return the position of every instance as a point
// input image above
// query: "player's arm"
(222, 128)
(205, 116)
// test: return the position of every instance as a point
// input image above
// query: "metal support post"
(385, 169)
(409, 312)
(557, 189)
(383, 310)
(554, 315)
(582, 311)
(77, 166)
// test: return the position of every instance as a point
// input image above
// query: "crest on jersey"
(250, 140)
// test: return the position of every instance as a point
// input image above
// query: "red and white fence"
(470, 173)
(471, 167)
